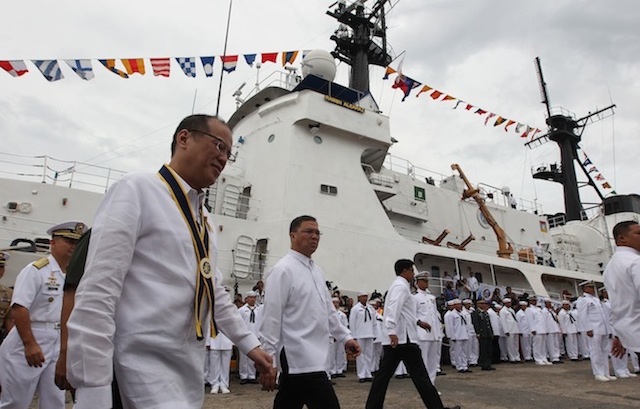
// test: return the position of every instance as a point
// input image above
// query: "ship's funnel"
(319, 63)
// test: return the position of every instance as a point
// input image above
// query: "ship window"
(317, 139)
(329, 190)
(271, 138)
(418, 193)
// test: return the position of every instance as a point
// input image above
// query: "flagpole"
(224, 53)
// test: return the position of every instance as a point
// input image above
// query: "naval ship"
(306, 145)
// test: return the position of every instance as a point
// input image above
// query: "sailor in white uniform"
(455, 326)
(592, 316)
(337, 361)
(219, 357)
(29, 353)
(511, 330)
(568, 324)
(473, 346)
(538, 330)
(620, 364)
(496, 327)
(553, 331)
(362, 323)
(526, 341)
(251, 315)
(428, 337)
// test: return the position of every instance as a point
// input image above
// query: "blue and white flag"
(50, 69)
(207, 64)
(82, 68)
(188, 65)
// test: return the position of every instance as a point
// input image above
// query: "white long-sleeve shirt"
(400, 313)
(568, 321)
(591, 315)
(298, 315)
(535, 319)
(455, 326)
(496, 325)
(523, 322)
(134, 306)
(622, 280)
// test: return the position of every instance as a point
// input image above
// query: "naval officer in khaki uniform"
(5, 299)
(29, 353)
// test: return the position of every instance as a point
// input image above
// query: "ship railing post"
(73, 172)
(109, 179)
(44, 170)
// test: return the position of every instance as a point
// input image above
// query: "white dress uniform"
(337, 363)
(377, 342)
(473, 345)
(570, 332)
(592, 316)
(552, 324)
(38, 288)
(362, 323)
(428, 341)
(537, 324)
(620, 365)
(251, 317)
(496, 327)
(583, 339)
(511, 329)
(526, 341)
(220, 350)
(456, 329)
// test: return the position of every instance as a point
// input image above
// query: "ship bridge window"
(329, 190)
(419, 194)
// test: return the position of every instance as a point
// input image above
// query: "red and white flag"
(16, 67)
(161, 66)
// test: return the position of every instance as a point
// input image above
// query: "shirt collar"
(627, 249)
(301, 258)
(191, 192)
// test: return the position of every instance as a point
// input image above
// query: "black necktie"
(463, 320)
(555, 318)
(367, 314)
(252, 317)
(571, 318)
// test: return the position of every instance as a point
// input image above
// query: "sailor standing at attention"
(569, 329)
(538, 330)
(251, 315)
(29, 353)
(511, 330)
(152, 283)
(455, 326)
(362, 323)
(592, 316)
(431, 332)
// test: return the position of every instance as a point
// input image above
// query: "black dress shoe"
(368, 379)
(340, 375)
(253, 381)
(489, 369)
(441, 373)
(362, 380)
(454, 407)
(244, 381)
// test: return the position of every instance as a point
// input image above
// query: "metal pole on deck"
(224, 53)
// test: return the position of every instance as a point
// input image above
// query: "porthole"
(271, 138)
(317, 139)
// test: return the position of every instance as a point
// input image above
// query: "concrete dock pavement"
(522, 386)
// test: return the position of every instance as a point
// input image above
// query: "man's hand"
(61, 372)
(590, 334)
(394, 340)
(353, 347)
(533, 332)
(33, 354)
(264, 364)
(424, 325)
(617, 349)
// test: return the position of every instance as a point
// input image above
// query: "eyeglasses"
(311, 231)
(221, 146)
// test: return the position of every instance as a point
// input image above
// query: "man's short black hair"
(295, 223)
(193, 122)
(622, 228)
(402, 265)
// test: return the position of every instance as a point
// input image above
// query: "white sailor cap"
(422, 276)
(335, 299)
(4, 257)
(373, 301)
(496, 305)
(602, 289)
(251, 294)
(362, 293)
(454, 301)
(71, 230)
(467, 301)
(506, 300)
(567, 302)
(522, 303)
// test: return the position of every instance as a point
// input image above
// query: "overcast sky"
(479, 51)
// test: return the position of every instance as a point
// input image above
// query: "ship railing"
(558, 110)
(228, 203)
(281, 79)
(401, 165)
(500, 196)
(49, 170)
(587, 213)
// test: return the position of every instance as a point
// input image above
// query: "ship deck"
(528, 386)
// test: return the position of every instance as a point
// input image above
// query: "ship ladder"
(242, 257)
(231, 201)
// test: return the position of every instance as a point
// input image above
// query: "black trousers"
(412, 358)
(486, 347)
(313, 389)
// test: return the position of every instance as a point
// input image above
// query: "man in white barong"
(569, 329)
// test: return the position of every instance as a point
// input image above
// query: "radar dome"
(319, 63)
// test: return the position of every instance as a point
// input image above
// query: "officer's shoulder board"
(41, 263)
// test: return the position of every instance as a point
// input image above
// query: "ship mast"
(566, 131)
(361, 39)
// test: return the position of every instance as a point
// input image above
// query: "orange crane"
(504, 247)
